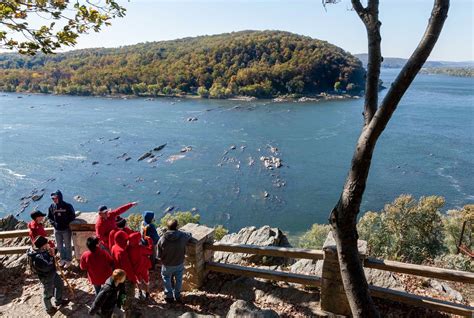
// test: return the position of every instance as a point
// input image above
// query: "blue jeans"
(168, 273)
(53, 286)
(63, 241)
(97, 289)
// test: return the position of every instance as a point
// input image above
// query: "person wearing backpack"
(149, 230)
(42, 263)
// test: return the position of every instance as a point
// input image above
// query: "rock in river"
(159, 147)
(144, 156)
(80, 199)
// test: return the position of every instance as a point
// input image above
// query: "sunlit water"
(426, 149)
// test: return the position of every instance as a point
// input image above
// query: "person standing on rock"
(121, 257)
(139, 251)
(36, 228)
(106, 222)
(171, 251)
(97, 262)
(61, 214)
(110, 295)
(41, 261)
(149, 231)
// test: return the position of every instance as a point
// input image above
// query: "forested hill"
(250, 63)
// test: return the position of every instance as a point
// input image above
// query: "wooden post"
(82, 228)
(196, 256)
(333, 295)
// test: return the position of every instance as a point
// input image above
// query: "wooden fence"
(379, 292)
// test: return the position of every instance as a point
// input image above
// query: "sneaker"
(179, 300)
(169, 300)
(141, 296)
(62, 302)
(51, 311)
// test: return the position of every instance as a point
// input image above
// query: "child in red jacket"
(121, 259)
(36, 228)
(97, 262)
(140, 258)
(121, 226)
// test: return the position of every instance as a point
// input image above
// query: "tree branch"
(370, 17)
(411, 68)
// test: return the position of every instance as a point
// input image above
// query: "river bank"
(325, 96)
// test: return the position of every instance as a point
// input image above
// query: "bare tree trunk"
(343, 217)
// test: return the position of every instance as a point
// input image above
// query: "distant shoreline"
(277, 99)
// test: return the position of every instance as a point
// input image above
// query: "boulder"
(264, 236)
(80, 199)
(242, 308)
(446, 290)
(383, 279)
(10, 223)
(307, 267)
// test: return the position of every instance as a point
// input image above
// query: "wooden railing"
(20, 233)
(379, 292)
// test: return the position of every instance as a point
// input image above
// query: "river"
(51, 142)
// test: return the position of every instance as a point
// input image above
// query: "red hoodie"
(37, 229)
(98, 265)
(121, 257)
(114, 231)
(139, 256)
(104, 226)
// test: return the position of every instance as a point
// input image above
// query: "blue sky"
(403, 23)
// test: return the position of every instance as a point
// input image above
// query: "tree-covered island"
(261, 64)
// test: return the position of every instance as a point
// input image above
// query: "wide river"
(51, 142)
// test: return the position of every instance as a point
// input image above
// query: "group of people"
(118, 259)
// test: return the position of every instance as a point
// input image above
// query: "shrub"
(203, 92)
(406, 229)
(182, 217)
(455, 261)
(219, 232)
(315, 237)
(134, 221)
(453, 223)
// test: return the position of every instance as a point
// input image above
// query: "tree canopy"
(60, 22)
(251, 63)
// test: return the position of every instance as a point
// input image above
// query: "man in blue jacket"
(61, 214)
(149, 230)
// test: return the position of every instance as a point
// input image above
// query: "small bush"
(219, 232)
(134, 221)
(406, 229)
(455, 261)
(315, 237)
(182, 217)
(453, 223)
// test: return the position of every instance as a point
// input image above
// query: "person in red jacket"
(97, 262)
(121, 259)
(121, 226)
(36, 227)
(140, 258)
(106, 221)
